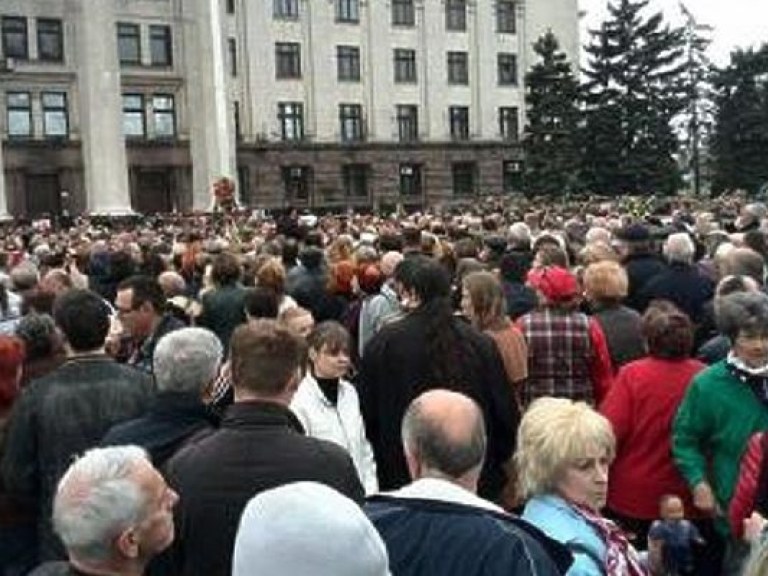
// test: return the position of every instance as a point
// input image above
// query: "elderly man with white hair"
(186, 363)
(682, 283)
(114, 513)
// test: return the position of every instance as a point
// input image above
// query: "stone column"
(104, 156)
(212, 138)
(4, 215)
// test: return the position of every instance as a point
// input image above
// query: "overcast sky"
(736, 23)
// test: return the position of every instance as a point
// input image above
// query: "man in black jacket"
(260, 445)
(69, 410)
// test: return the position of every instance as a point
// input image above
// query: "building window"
(164, 115)
(160, 46)
(458, 68)
(348, 10)
(230, 6)
(464, 177)
(508, 124)
(232, 55)
(296, 181)
(410, 180)
(505, 16)
(408, 122)
(237, 121)
(351, 121)
(19, 111)
(288, 60)
(286, 9)
(55, 118)
(291, 118)
(507, 69)
(134, 123)
(459, 118)
(405, 65)
(50, 40)
(456, 15)
(348, 63)
(403, 13)
(512, 175)
(355, 179)
(129, 44)
(15, 37)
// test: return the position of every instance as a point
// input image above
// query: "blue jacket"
(559, 521)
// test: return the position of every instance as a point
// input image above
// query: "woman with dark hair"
(223, 307)
(428, 348)
(641, 406)
(43, 343)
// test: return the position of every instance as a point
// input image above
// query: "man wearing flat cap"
(640, 259)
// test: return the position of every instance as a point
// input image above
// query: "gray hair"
(186, 360)
(742, 312)
(97, 499)
(451, 454)
(679, 248)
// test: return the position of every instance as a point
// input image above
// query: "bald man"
(437, 524)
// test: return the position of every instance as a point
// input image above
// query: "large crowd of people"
(514, 387)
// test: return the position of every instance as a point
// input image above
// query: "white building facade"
(114, 106)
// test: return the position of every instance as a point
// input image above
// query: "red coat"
(744, 494)
(641, 406)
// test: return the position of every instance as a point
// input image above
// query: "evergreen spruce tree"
(740, 144)
(634, 89)
(552, 155)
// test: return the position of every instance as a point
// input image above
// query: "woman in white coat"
(328, 406)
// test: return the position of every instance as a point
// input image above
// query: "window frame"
(56, 33)
(456, 15)
(167, 112)
(351, 117)
(285, 9)
(13, 109)
(47, 109)
(141, 110)
(457, 63)
(410, 185)
(509, 123)
(348, 11)
(403, 13)
(7, 34)
(506, 65)
(161, 33)
(404, 60)
(458, 121)
(355, 179)
(287, 61)
(232, 56)
(407, 122)
(297, 182)
(506, 17)
(128, 31)
(347, 63)
(461, 170)
(290, 116)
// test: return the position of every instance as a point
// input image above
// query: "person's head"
(113, 510)
(298, 319)
(266, 359)
(519, 236)
(422, 280)
(667, 330)
(307, 528)
(679, 248)
(444, 436)
(482, 300)
(389, 262)
(24, 276)
(564, 448)
(671, 507)
(605, 282)
(743, 318)
(56, 281)
(187, 360)
(597, 252)
(41, 340)
(172, 283)
(261, 302)
(83, 318)
(140, 303)
(271, 274)
(11, 367)
(550, 254)
(745, 262)
(557, 287)
(329, 345)
(226, 269)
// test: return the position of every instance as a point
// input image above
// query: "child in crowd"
(672, 537)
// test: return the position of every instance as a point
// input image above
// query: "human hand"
(754, 526)
(703, 498)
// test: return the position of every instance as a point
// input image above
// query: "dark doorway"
(43, 198)
(153, 191)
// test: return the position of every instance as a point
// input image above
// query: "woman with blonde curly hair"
(564, 449)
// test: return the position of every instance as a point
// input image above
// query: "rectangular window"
(18, 107)
(508, 124)
(286, 9)
(351, 122)
(512, 175)
(129, 44)
(291, 118)
(164, 115)
(505, 16)
(403, 13)
(296, 181)
(230, 6)
(410, 180)
(464, 178)
(348, 63)
(15, 37)
(408, 122)
(507, 69)
(456, 15)
(55, 117)
(232, 55)
(348, 11)
(237, 121)
(50, 40)
(160, 45)
(405, 65)
(355, 179)
(288, 60)
(458, 68)
(134, 122)
(459, 118)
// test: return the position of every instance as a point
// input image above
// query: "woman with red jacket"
(641, 406)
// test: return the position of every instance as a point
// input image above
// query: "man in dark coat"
(223, 308)
(260, 445)
(430, 347)
(68, 411)
(640, 261)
